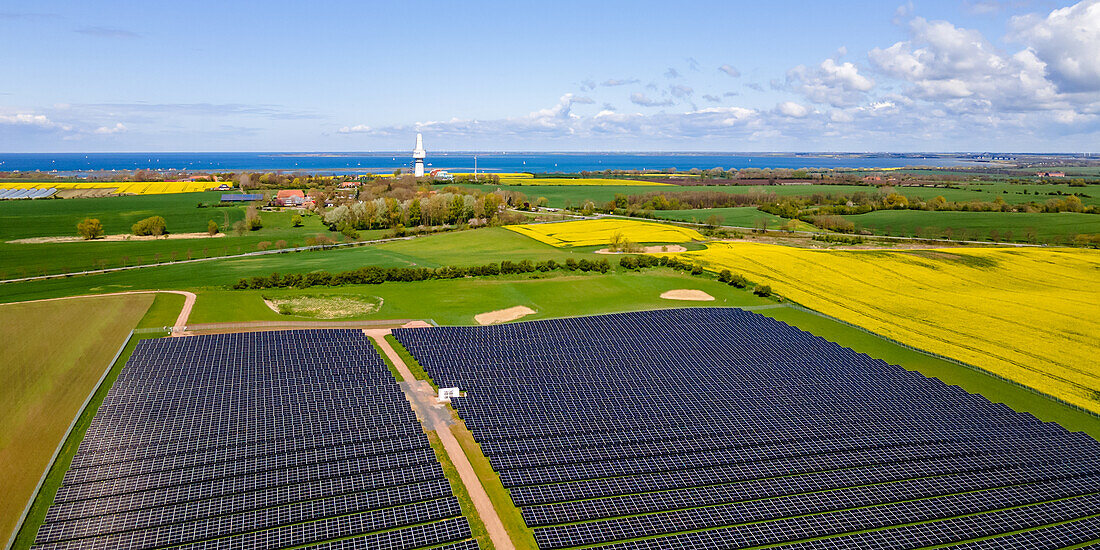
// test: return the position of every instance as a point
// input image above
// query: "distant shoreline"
(488, 162)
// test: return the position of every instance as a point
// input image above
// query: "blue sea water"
(456, 162)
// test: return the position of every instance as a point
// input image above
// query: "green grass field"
(471, 247)
(1049, 227)
(455, 302)
(742, 216)
(576, 195)
(48, 218)
(29, 259)
(44, 384)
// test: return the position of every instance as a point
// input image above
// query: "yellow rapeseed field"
(597, 232)
(510, 180)
(121, 187)
(1031, 315)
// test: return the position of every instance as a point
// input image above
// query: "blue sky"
(959, 75)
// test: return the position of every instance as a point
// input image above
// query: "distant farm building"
(1051, 174)
(290, 197)
(242, 197)
(441, 175)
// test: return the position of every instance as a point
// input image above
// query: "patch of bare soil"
(649, 249)
(85, 193)
(687, 295)
(503, 315)
(120, 237)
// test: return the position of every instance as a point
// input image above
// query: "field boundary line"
(935, 240)
(64, 439)
(365, 323)
(976, 368)
(208, 259)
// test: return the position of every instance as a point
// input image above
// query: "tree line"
(373, 275)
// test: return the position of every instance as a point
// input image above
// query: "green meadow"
(1000, 226)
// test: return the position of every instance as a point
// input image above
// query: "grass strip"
(389, 364)
(522, 536)
(477, 526)
(414, 366)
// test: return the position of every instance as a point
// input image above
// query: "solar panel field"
(255, 440)
(720, 428)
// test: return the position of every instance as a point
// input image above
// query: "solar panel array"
(255, 440)
(27, 193)
(720, 428)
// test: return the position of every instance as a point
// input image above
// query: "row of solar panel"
(957, 529)
(781, 430)
(27, 193)
(838, 483)
(749, 449)
(548, 432)
(147, 518)
(941, 502)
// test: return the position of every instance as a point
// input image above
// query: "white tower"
(418, 157)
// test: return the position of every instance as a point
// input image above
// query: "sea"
(488, 162)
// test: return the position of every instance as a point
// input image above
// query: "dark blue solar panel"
(720, 428)
(255, 440)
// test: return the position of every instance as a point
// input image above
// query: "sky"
(521, 75)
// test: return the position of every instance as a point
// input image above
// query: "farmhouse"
(1051, 174)
(290, 197)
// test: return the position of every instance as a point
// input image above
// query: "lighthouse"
(418, 157)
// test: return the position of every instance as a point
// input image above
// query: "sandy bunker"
(689, 295)
(503, 315)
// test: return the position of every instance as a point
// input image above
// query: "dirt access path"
(181, 319)
(437, 417)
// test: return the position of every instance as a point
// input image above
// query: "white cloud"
(117, 128)
(730, 70)
(357, 129)
(837, 84)
(618, 82)
(792, 109)
(1068, 42)
(961, 70)
(681, 91)
(32, 120)
(672, 73)
(639, 98)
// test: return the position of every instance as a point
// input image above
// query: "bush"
(212, 228)
(296, 220)
(738, 281)
(89, 229)
(154, 225)
(762, 290)
(725, 276)
(252, 219)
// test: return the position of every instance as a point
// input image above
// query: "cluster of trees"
(373, 275)
(153, 225)
(685, 200)
(438, 209)
(824, 210)
(89, 229)
(839, 239)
